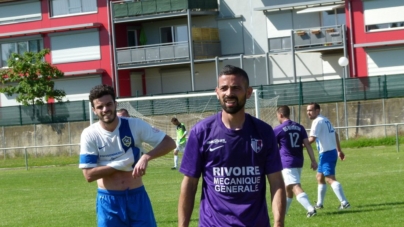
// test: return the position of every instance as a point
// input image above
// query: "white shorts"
(291, 175)
(180, 147)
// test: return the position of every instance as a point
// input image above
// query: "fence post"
(4, 142)
(26, 158)
(397, 139)
(70, 138)
(300, 96)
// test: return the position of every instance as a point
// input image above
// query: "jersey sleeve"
(273, 163)
(315, 128)
(303, 132)
(191, 164)
(146, 133)
(88, 151)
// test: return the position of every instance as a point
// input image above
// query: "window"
(174, 34)
(19, 47)
(383, 15)
(20, 12)
(333, 17)
(279, 44)
(132, 37)
(67, 7)
(75, 46)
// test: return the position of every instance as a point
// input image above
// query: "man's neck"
(233, 121)
(110, 126)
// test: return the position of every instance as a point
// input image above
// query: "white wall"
(385, 61)
(205, 78)
(136, 84)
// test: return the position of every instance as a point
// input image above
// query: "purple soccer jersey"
(233, 164)
(290, 137)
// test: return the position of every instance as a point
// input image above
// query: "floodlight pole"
(257, 107)
(343, 62)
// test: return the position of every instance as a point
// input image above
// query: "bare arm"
(311, 139)
(314, 164)
(93, 174)
(165, 146)
(341, 154)
(186, 201)
(278, 198)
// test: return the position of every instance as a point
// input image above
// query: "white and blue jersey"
(100, 147)
(322, 129)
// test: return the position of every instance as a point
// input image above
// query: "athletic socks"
(303, 199)
(288, 202)
(336, 186)
(175, 161)
(321, 190)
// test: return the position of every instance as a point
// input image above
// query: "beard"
(109, 120)
(239, 104)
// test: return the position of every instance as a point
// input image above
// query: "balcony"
(165, 53)
(139, 8)
(310, 39)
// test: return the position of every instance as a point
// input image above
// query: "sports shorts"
(124, 208)
(327, 162)
(291, 175)
(181, 147)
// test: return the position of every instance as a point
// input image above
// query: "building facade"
(170, 46)
(76, 32)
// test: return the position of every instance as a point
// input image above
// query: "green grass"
(372, 178)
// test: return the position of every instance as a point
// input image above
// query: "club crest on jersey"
(256, 145)
(127, 141)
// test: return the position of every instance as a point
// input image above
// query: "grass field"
(372, 177)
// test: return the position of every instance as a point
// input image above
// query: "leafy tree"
(30, 78)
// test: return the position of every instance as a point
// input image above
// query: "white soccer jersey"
(322, 129)
(99, 147)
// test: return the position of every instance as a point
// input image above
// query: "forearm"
(278, 198)
(311, 139)
(186, 200)
(93, 174)
(164, 147)
(337, 142)
(310, 151)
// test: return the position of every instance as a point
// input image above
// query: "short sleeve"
(146, 133)
(191, 164)
(273, 162)
(88, 151)
(315, 128)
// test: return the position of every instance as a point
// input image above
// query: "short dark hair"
(316, 105)
(122, 110)
(99, 91)
(174, 119)
(284, 110)
(233, 70)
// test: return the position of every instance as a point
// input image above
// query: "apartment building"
(171, 46)
(377, 40)
(76, 32)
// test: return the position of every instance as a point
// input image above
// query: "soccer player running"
(110, 155)
(181, 140)
(329, 148)
(291, 136)
(234, 153)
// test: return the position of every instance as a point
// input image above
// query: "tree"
(30, 78)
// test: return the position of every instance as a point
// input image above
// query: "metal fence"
(292, 94)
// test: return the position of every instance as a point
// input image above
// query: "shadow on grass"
(362, 208)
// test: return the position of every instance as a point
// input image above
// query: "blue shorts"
(124, 208)
(327, 162)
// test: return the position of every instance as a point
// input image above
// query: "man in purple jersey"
(233, 152)
(291, 136)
